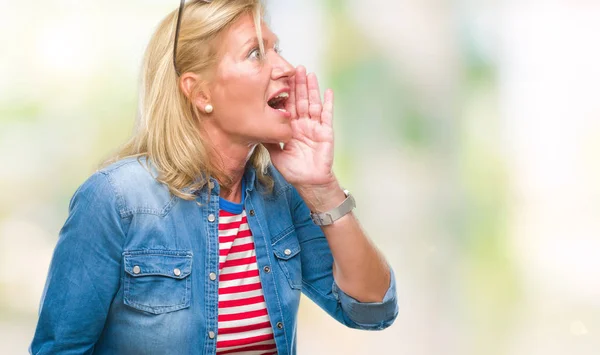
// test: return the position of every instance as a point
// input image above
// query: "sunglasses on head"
(179, 15)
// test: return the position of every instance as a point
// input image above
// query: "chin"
(285, 135)
(280, 136)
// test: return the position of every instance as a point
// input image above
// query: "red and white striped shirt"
(243, 325)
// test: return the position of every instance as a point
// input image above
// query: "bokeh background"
(469, 132)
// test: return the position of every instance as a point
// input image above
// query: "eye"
(255, 54)
(277, 49)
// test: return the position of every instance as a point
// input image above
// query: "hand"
(307, 159)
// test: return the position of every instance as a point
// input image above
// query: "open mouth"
(278, 102)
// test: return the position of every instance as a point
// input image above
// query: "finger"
(327, 114)
(301, 92)
(290, 103)
(314, 97)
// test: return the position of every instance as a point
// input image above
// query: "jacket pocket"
(157, 281)
(287, 251)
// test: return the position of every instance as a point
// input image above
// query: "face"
(248, 89)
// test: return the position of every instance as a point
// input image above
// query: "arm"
(321, 283)
(84, 273)
(359, 269)
(337, 257)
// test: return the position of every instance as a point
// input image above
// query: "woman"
(192, 242)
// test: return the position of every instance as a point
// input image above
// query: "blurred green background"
(468, 131)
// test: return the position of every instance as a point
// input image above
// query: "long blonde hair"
(167, 130)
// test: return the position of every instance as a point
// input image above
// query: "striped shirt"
(243, 324)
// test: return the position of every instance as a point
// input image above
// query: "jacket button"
(252, 212)
(279, 325)
(211, 185)
(136, 270)
(212, 276)
(211, 217)
(177, 272)
(267, 269)
(211, 334)
(287, 252)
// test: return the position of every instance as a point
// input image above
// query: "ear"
(195, 89)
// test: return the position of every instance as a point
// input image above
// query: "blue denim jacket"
(94, 302)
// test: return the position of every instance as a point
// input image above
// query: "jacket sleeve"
(318, 282)
(84, 273)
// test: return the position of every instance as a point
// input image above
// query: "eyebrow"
(255, 39)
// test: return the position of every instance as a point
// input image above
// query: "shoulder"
(129, 169)
(133, 186)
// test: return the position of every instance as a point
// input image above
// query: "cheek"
(241, 87)
(240, 98)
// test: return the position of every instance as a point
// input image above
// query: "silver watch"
(327, 218)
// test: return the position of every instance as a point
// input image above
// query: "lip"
(285, 114)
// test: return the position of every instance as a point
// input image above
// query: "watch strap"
(327, 218)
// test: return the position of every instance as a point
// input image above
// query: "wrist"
(322, 197)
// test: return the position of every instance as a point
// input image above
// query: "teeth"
(279, 100)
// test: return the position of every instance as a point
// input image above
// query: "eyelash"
(257, 50)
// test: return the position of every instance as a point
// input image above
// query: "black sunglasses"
(179, 14)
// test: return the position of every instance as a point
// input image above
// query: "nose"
(282, 68)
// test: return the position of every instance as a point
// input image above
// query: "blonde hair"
(168, 128)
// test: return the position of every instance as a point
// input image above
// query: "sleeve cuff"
(376, 315)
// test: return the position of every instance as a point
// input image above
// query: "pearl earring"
(208, 108)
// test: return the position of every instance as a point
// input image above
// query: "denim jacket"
(112, 288)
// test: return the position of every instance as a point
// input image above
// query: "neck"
(233, 165)
(231, 158)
